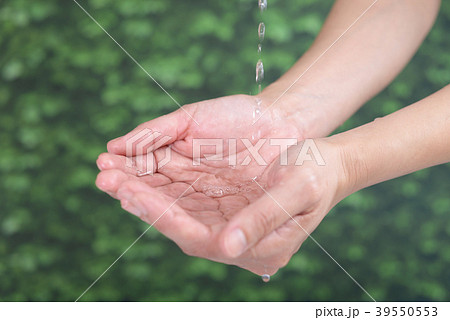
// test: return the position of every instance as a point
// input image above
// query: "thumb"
(152, 134)
(276, 206)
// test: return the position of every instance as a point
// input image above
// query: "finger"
(109, 181)
(109, 161)
(275, 250)
(176, 189)
(230, 205)
(260, 218)
(296, 230)
(284, 241)
(172, 127)
(199, 203)
(164, 213)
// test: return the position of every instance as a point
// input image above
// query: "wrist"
(354, 172)
(303, 107)
(327, 169)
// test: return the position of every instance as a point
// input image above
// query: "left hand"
(206, 225)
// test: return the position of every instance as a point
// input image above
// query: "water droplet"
(216, 193)
(265, 277)
(261, 31)
(213, 191)
(141, 173)
(256, 111)
(262, 5)
(259, 48)
(219, 191)
(259, 71)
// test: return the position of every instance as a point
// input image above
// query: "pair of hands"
(224, 213)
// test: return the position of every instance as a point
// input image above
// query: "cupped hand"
(229, 118)
(214, 210)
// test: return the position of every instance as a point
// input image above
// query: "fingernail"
(235, 243)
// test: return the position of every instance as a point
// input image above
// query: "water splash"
(216, 191)
(257, 110)
(213, 192)
(256, 115)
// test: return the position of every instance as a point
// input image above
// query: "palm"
(222, 189)
(238, 116)
(210, 196)
(212, 191)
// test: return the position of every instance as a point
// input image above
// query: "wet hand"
(199, 202)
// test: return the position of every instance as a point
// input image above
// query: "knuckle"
(188, 251)
(265, 222)
(253, 253)
(193, 251)
(129, 185)
(144, 217)
(314, 186)
(296, 248)
(279, 262)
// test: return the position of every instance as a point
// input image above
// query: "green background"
(66, 89)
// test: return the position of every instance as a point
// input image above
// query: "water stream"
(262, 4)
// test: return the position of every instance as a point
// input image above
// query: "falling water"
(261, 33)
(259, 74)
(262, 4)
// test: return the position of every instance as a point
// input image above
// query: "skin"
(258, 224)
(206, 214)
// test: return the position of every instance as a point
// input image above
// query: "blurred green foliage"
(66, 89)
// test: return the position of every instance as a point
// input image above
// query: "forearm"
(408, 140)
(360, 64)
